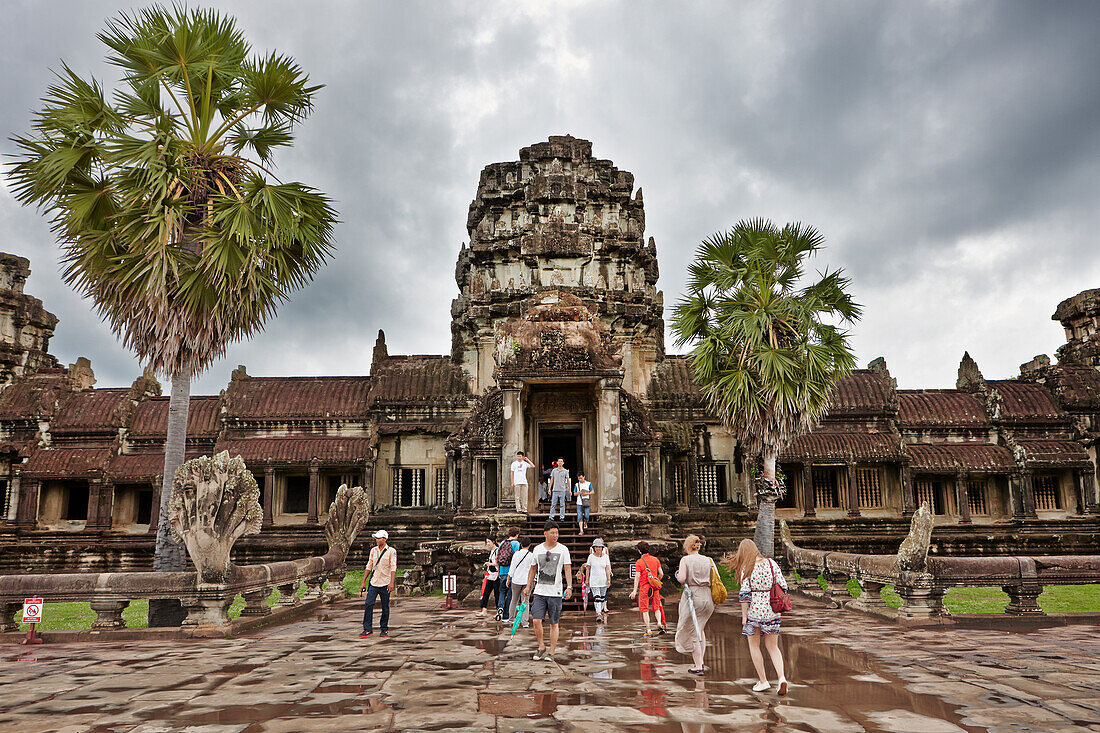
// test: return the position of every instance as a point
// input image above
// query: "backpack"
(653, 580)
(505, 553)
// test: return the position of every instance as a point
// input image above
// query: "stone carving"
(215, 501)
(913, 553)
(561, 402)
(347, 514)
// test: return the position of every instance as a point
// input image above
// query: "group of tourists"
(555, 486)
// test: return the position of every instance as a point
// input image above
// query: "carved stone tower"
(25, 326)
(1080, 316)
(557, 220)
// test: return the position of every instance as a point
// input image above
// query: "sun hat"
(381, 534)
(598, 543)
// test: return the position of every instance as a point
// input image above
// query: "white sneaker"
(761, 686)
(782, 686)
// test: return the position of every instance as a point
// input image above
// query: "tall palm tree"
(767, 350)
(162, 198)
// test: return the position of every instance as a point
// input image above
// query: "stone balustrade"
(921, 580)
(214, 502)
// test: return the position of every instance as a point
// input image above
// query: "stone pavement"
(449, 670)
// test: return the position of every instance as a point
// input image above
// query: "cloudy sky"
(948, 151)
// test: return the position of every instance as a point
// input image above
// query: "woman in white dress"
(694, 575)
(757, 574)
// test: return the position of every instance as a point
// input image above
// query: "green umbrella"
(519, 616)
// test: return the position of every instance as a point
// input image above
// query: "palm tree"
(162, 198)
(765, 353)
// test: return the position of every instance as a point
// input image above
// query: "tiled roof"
(839, 446)
(673, 383)
(142, 466)
(274, 398)
(92, 410)
(30, 398)
(150, 417)
(297, 448)
(1054, 453)
(66, 461)
(863, 392)
(418, 379)
(952, 456)
(1026, 402)
(940, 407)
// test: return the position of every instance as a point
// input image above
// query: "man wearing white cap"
(383, 561)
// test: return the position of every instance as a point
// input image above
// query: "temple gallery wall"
(557, 348)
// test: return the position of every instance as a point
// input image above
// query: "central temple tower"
(557, 220)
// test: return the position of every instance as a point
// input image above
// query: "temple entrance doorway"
(562, 442)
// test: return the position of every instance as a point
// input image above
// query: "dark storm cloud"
(949, 152)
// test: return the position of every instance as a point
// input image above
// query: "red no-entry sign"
(32, 610)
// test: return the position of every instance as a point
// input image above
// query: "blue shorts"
(765, 627)
(546, 607)
(584, 512)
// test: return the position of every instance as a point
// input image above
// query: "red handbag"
(780, 601)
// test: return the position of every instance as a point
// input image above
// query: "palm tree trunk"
(170, 555)
(764, 536)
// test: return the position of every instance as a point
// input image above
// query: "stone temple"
(557, 348)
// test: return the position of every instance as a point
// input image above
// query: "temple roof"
(275, 398)
(65, 462)
(1026, 402)
(673, 382)
(1061, 453)
(417, 379)
(150, 417)
(841, 446)
(940, 408)
(1076, 386)
(298, 448)
(954, 456)
(92, 411)
(140, 465)
(863, 392)
(31, 398)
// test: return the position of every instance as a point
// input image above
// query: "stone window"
(789, 500)
(869, 487)
(489, 478)
(440, 486)
(976, 496)
(408, 486)
(679, 482)
(5, 499)
(331, 482)
(933, 492)
(133, 504)
(63, 501)
(1048, 493)
(826, 487)
(710, 480)
(296, 495)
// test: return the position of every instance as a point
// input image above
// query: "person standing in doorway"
(583, 491)
(559, 488)
(506, 553)
(647, 589)
(545, 588)
(519, 480)
(383, 562)
(544, 485)
(598, 568)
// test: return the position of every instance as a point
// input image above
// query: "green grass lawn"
(1054, 599)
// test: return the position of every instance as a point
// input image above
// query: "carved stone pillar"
(691, 497)
(962, 496)
(314, 491)
(652, 489)
(13, 497)
(513, 439)
(853, 489)
(908, 496)
(1088, 486)
(26, 514)
(466, 462)
(269, 494)
(366, 480)
(809, 501)
(610, 474)
(100, 502)
(1027, 494)
(154, 511)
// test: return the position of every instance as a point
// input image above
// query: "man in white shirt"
(545, 588)
(383, 561)
(519, 480)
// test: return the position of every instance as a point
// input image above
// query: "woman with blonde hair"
(756, 574)
(696, 602)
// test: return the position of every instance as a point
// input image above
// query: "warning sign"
(450, 584)
(32, 610)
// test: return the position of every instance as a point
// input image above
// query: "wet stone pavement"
(451, 671)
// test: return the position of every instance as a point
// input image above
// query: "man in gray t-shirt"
(559, 487)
